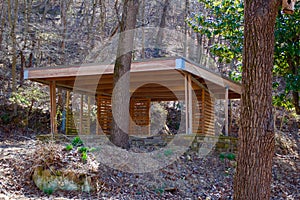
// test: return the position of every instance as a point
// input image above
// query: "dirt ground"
(189, 177)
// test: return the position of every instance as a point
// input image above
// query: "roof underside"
(158, 79)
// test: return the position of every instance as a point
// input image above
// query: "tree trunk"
(2, 23)
(296, 101)
(293, 62)
(23, 65)
(160, 35)
(63, 13)
(186, 15)
(143, 29)
(103, 13)
(256, 135)
(91, 23)
(12, 19)
(121, 93)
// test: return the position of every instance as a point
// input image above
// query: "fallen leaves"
(189, 177)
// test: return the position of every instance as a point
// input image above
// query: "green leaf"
(77, 142)
(84, 156)
(69, 147)
(83, 149)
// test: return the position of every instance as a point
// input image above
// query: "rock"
(50, 181)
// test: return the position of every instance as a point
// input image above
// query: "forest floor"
(189, 177)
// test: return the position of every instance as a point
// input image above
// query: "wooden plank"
(175, 85)
(164, 77)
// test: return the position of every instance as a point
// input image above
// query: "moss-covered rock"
(49, 180)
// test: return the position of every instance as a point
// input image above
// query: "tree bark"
(103, 13)
(186, 15)
(296, 101)
(2, 23)
(160, 34)
(121, 93)
(91, 23)
(293, 62)
(23, 65)
(63, 14)
(256, 135)
(12, 19)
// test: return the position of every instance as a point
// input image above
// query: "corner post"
(186, 104)
(53, 123)
(98, 126)
(68, 112)
(190, 104)
(89, 115)
(81, 115)
(226, 110)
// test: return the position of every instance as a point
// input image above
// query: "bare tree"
(121, 94)
(12, 19)
(160, 34)
(2, 21)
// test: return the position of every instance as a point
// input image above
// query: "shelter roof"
(159, 79)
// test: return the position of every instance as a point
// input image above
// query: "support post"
(53, 124)
(68, 112)
(226, 110)
(97, 118)
(149, 117)
(203, 116)
(143, 31)
(186, 14)
(89, 115)
(81, 115)
(190, 105)
(97, 127)
(186, 104)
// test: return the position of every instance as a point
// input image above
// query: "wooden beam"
(140, 81)
(226, 110)
(53, 122)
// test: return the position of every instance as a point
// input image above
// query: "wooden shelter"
(163, 79)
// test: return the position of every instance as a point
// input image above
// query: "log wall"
(77, 122)
(203, 113)
(139, 115)
(104, 114)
